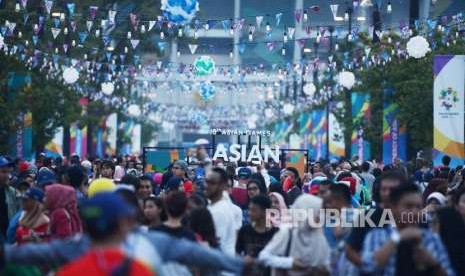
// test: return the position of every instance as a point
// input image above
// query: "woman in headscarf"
(33, 223)
(301, 250)
(64, 217)
(277, 203)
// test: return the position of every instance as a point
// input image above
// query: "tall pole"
(328, 104)
(347, 95)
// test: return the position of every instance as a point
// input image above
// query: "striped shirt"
(377, 238)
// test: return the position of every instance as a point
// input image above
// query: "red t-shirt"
(240, 197)
(103, 263)
(23, 234)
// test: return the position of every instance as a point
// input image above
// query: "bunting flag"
(25, 18)
(334, 8)
(290, 32)
(242, 48)
(89, 25)
(71, 7)
(151, 24)
(259, 20)
(301, 43)
(54, 148)
(65, 47)
(55, 32)
(24, 3)
(35, 39)
(82, 37)
(93, 12)
(278, 18)
(298, 15)
(106, 40)
(270, 46)
(111, 16)
(48, 6)
(193, 48)
(73, 25)
(134, 43)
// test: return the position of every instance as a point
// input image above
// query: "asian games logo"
(449, 98)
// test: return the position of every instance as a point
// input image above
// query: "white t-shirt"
(224, 219)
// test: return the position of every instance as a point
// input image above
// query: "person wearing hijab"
(435, 201)
(33, 223)
(62, 204)
(277, 203)
(301, 250)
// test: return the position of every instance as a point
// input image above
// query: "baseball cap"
(100, 185)
(45, 176)
(182, 164)
(34, 193)
(5, 162)
(244, 173)
(103, 209)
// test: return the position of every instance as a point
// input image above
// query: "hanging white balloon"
(70, 75)
(288, 108)
(108, 88)
(134, 110)
(309, 89)
(269, 113)
(253, 117)
(346, 79)
(418, 47)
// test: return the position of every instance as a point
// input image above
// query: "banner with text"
(335, 131)
(449, 84)
(318, 133)
(361, 113)
(394, 134)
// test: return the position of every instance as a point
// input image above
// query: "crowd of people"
(108, 217)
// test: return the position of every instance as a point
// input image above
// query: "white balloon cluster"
(108, 88)
(70, 75)
(346, 79)
(309, 89)
(417, 47)
(288, 108)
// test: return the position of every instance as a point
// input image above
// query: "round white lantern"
(70, 75)
(269, 113)
(417, 47)
(134, 110)
(346, 79)
(288, 108)
(108, 88)
(309, 89)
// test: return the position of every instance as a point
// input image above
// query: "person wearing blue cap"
(45, 177)
(33, 223)
(107, 218)
(9, 202)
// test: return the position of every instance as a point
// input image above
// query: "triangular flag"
(290, 32)
(24, 3)
(111, 16)
(151, 24)
(74, 62)
(108, 54)
(193, 48)
(134, 43)
(259, 20)
(25, 18)
(298, 15)
(432, 24)
(122, 57)
(106, 39)
(56, 22)
(71, 7)
(136, 59)
(134, 20)
(93, 11)
(159, 64)
(12, 27)
(270, 46)
(48, 6)
(226, 25)
(89, 25)
(371, 30)
(301, 43)
(242, 48)
(278, 18)
(162, 45)
(65, 47)
(73, 25)
(35, 38)
(367, 51)
(334, 9)
(82, 37)
(55, 32)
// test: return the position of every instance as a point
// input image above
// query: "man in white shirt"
(221, 209)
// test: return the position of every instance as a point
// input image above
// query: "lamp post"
(328, 104)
